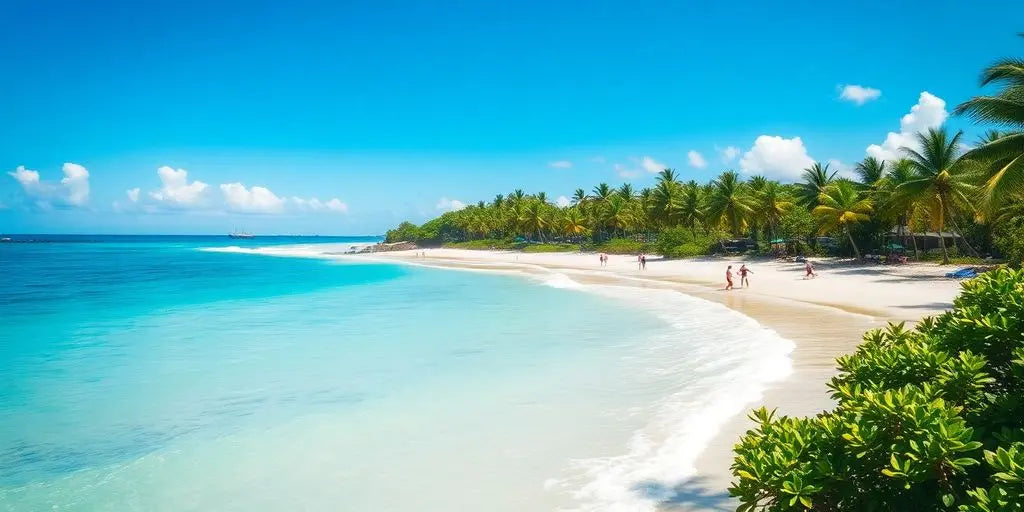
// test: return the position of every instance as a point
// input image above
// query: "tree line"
(971, 199)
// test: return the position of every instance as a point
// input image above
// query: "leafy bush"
(1009, 238)
(927, 419)
(405, 232)
(623, 246)
(682, 242)
(483, 244)
(550, 248)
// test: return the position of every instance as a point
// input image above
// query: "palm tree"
(771, 204)
(573, 223)
(729, 204)
(1002, 153)
(617, 216)
(691, 206)
(870, 171)
(542, 197)
(815, 179)
(534, 220)
(499, 200)
(668, 175)
(579, 197)
(517, 195)
(890, 204)
(839, 207)
(939, 185)
(602, 192)
(626, 192)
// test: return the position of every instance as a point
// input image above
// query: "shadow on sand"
(691, 495)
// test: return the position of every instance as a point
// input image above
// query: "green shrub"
(551, 248)
(623, 246)
(405, 232)
(927, 419)
(1009, 238)
(482, 244)
(682, 242)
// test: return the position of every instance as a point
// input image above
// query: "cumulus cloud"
(625, 172)
(560, 164)
(776, 157)
(728, 154)
(450, 205)
(859, 94)
(928, 112)
(333, 205)
(651, 165)
(251, 200)
(72, 190)
(562, 201)
(696, 160)
(133, 194)
(176, 190)
(842, 170)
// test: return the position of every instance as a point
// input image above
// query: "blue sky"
(384, 111)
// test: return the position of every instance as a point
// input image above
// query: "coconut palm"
(573, 222)
(542, 197)
(770, 204)
(729, 205)
(906, 211)
(940, 185)
(579, 197)
(534, 220)
(1002, 154)
(869, 172)
(691, 208)
(617, 216)
(626, 192)
(603, 192)
(815, 179)
(499, 200)
(840, 206)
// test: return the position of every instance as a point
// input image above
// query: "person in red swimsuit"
(744, 282)
(728, 278)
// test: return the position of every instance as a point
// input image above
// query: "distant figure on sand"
(743, 275)
(809, 269)
(643, 262)
(604, 259)
(728, 278)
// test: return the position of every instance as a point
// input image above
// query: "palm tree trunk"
(956, 229)
(942, 243)
(856, 252)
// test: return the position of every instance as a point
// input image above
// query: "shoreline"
(823, 324)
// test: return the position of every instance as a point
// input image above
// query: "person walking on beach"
(643, 262)
(604, 259)
(639, 260)
(728, 278)
(809, 269)
(744, 282)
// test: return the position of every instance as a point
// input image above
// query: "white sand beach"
(825, 317)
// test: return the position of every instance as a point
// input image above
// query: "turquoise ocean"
(178, 373)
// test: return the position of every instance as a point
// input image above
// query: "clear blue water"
(150, 373)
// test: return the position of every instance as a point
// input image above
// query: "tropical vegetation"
(930, 418)
(934, 197)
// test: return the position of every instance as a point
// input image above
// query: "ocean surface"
(179, 373)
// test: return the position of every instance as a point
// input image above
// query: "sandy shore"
(825, 317)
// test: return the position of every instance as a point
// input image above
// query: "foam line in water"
(729, 360)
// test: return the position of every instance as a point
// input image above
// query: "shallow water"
(174, 374)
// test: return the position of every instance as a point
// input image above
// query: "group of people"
(744, 272)
(641, 260)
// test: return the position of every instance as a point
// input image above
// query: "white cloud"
(73, 189)
(842, 170)
(651, 165)
(729, 153)
(560, 164)
(450, 205)
(562, 201)
(251, 200)
(333, 205)
(133, 194)
(859, 94)
(928, 112)
(176, 190)
(696, 159)
(776, 157)
(625, 172)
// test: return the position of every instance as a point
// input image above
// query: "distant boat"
(241, 234)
